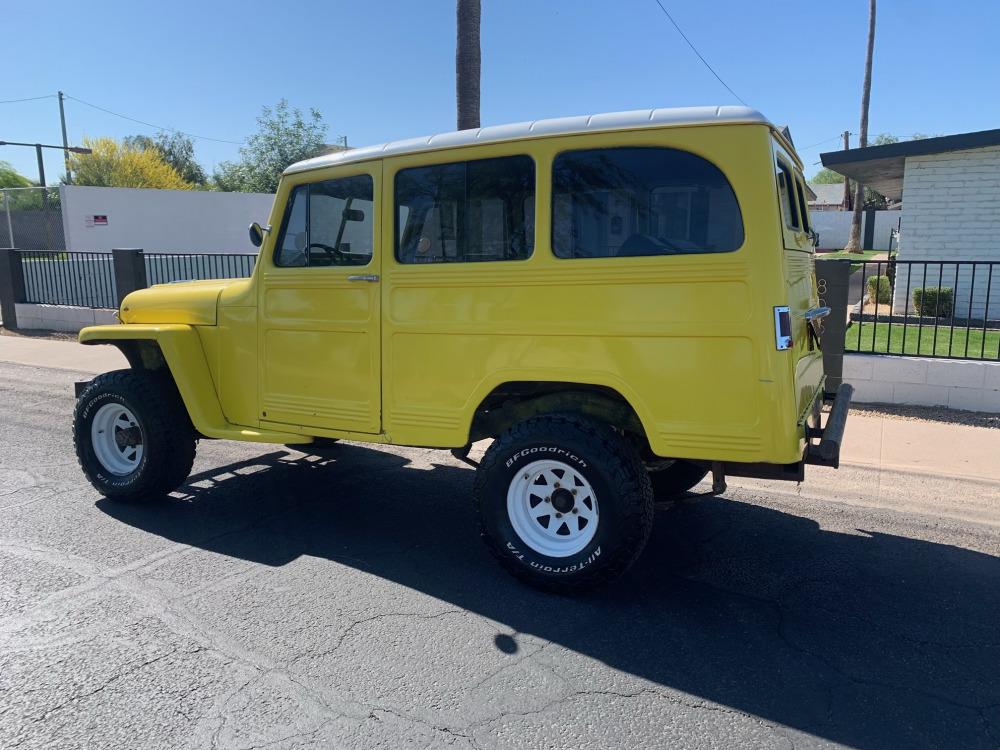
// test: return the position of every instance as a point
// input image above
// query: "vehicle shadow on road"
(866, 639)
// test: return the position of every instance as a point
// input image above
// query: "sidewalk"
(60, 355)
(883, 442)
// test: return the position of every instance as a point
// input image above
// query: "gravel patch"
(33, 334)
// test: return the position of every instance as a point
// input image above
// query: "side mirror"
(257, 234)
(354, 214)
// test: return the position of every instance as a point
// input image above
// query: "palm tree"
(467, 62)
(854, 241)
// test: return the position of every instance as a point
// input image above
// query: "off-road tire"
(619, 480)
(672, 482)
(168, 437)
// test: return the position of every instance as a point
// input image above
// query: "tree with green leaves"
(284, 136)
(11, 178)
(176, 149)
(827, 176)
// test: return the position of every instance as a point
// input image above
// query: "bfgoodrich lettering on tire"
(564, 502)
(132, 434)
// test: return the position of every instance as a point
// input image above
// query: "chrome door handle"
(364, 277)
(816, 313)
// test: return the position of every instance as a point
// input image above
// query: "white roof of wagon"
(633, 120)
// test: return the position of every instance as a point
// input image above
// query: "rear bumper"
(827, 451)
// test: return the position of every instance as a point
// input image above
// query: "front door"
(319, 307)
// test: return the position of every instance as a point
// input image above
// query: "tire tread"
(163, 414)
(628, 477)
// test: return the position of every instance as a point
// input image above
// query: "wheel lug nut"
(548, 499)
(558, 515)
(557, 484)
(575, 510)
(573, 491)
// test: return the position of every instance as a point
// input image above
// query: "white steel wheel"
(552, 508)
(117, 439)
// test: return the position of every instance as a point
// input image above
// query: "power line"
(695, 50)
(814, 145)
(29, 99)
(151, 125)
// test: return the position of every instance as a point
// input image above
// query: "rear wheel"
(674, 480)
(132, 434)
(564, 502)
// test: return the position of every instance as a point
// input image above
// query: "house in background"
(950, 190)
(826, 197)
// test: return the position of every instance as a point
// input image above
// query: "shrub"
(879, 290)
(934, 302)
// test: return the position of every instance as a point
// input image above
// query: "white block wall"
(834, 228)
(918, 381)
(192, 221)
(63, 318)
(952, 212)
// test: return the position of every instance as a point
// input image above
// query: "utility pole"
(467, 63)
(41, 165)
(62, 120)
(854, 240)
(847, 182)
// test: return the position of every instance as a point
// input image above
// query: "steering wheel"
(337, 256)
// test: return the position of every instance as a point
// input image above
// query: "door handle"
(364, 277)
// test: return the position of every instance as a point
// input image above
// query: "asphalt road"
(292, 601)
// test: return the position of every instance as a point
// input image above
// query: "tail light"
(782, 328)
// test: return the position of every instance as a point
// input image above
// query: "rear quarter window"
(620, 202)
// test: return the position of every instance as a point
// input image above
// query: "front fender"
(185, 358)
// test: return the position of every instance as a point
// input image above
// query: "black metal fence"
(101, 280)
(59, 278)
(163, 268)
(947, 308)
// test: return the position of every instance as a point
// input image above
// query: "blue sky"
(384, 69)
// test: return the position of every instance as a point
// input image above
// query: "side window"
(329, 223)
(466, 211)
(641, 201)
(786, 193)
(803, 212)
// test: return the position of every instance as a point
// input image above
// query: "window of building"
(641, 201)
(329, 223)
(465, 212)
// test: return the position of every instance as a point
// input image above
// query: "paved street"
(286, 600)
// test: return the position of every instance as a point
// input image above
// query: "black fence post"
(130, 270)
(869, 241)
(832, 279)
(11, 285)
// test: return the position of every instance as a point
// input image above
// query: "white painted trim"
(610, 121)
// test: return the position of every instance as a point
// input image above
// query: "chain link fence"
(31, 219)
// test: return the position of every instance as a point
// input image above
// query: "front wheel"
(132, 434)
(564, 502)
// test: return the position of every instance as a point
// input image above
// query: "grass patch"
(841, 255)
(888, 339)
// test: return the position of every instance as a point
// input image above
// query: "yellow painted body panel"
(192, 303)
(185, 357)
(687, 340)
